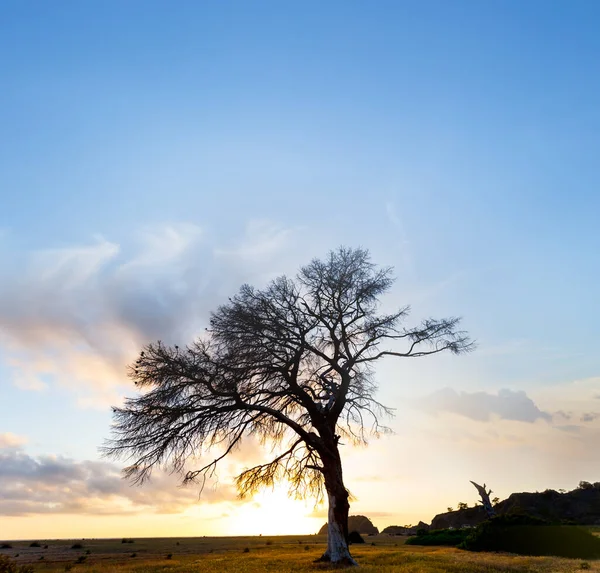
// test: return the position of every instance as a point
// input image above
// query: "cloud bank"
(481, 406)
(56, 484)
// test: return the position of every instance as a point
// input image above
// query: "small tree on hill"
(291, 364)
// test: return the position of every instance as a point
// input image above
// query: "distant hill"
(401, 530)
(580, 506)
(358, 523)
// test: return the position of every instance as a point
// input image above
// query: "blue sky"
(154, 156)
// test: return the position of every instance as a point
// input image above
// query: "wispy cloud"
(77, 315)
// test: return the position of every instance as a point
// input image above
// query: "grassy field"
(268, 554)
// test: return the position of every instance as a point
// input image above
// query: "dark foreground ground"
(267, 554)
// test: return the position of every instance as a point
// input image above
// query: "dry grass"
(272, 554)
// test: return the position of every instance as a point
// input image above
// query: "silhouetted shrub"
(77, 546)
(355, 537)
(449, 537)
(246, 549)
(35, 544)
(6, 546)
(306, 548)
(125, 540)
(81, 559)
(530, 536)
(133, 555)
(169, 556)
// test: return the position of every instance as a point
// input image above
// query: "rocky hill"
(358, 523)
(401, 530)
(580, 506)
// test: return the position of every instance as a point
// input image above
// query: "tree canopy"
(291, 364)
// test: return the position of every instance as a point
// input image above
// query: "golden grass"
(273, 554)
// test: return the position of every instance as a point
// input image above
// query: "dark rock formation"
(580, 506)
(463, 518)
(358, 523)
(401, 530)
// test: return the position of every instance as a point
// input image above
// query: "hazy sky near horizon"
(154, 156)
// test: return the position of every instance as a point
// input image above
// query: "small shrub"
(246, 549)
(169, 556)
(45, 547)
(133, 555)
(88, 552)
(81, 559)
(6, 546)
(35, 544)
(41, 557)
(77, 546)
(68, 566)
(177, 543)
(269, 542)
(125, 540)
(355, 537)
(306, 548)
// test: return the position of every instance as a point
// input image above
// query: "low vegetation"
(449, 537)
(9, 566)
(529, 536)
(284, 554)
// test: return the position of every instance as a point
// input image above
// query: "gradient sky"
(156, 155)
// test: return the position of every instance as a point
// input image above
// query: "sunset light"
(256, 253)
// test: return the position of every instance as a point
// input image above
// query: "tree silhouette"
(292, 365)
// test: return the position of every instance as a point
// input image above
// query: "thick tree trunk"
(337, 522)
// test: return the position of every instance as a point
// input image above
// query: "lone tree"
(292, 365)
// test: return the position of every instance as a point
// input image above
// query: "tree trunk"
(337, 522)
